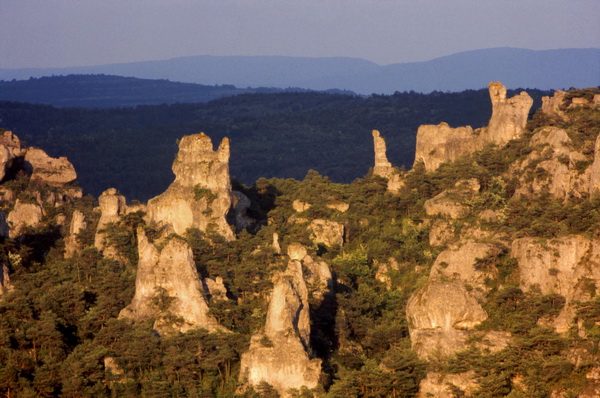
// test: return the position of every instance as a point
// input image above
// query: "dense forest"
(272, 135)
(60, 335)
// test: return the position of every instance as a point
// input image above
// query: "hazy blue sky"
(55, 33)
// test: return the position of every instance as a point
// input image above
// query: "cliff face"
(441, 143)
(280, 355)
(168, 287)
(200, 197)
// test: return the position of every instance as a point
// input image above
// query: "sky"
(62, 33)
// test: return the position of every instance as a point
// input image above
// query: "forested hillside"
(272, 135)
(478, 277)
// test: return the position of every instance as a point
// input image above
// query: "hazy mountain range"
(515, 68)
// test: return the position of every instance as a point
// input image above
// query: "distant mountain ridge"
(516, 68)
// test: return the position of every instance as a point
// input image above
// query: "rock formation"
(551, 106)
(509, 116)
(594, 187)
(49, 170)
(280, 354)
(24, 215)
(77, 225)
(5, 285)
(200, 196)
(552, 166)
(440, 316)
(442, 143)
(326, 232)
(383, 168)
(112, 206)
(452, 202)
(215, 288)
(300, 206)
(10, 147)
(438, 385)
(568, 266)
(168, 287)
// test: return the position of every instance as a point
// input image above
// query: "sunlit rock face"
(112, 206)
(327, 232)
(280, 354)
(383, 167)
(48, 170)
(200, 197)
(78, 224)
(442, 143)
(568, 266)
(23, 215)
(168, 287)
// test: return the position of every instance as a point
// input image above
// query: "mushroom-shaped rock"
(280, 354)
(200, 196)
(167, 285)
(49, 170)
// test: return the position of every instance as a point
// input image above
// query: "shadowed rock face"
(200, 196)
(10, 147)
(442, 143)
(168, 288)
(279, 355)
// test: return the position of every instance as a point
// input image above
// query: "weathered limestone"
(441, 316)
(10, 147)
(594, 188)
(452, 202)
(442, 143)
(280, 354)
(318, 275)
(383, 168)
(337, 205)
(383, 269)
(300, 206)
(326, 232)
(552, 166)
(49, 170)
(465, 262)
(509, 116)
(112, 206)
(23, 216)
(568, 266)
(200, 196)
(5, 285)
(551, 105)
(168, 288)
(78, 224)
(215, 288)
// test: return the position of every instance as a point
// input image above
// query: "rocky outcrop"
(10, 147)
(466, 262)
(5, 285)
(452, 203)
(337, 205)
(200, 196)
(594, 187)
(383, 168)
(441, 315)
(383, 270)
(300, 206)
(509, 115)
(553, 166)
(23, 216)
(442, 143)
(318, 275)
(326, 232)
(215, 288)
(168, 287)
(551, 106)
(280, 354)
(240, 205)
(568, 266)
(49, 170)
(112, 206)
(78, 224)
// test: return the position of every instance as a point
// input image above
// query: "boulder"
(49, 170)
(168, 287)
(200, 196)
(300, 206)
(337, 205)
